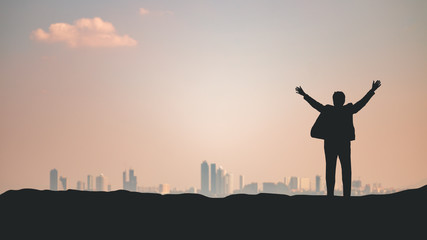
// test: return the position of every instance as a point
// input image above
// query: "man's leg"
(345, 159)
(331, 163)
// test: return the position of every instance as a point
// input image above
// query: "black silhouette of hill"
(122, 214)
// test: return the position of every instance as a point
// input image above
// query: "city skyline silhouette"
(215, 181)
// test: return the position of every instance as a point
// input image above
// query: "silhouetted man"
(335, 126)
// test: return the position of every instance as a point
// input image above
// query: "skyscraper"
(132, 180)
(100, 183)
(317, 183)
(241, 183)
(220, 173)
(131, 184)
(228, 184)
(231, 184)
(294, 183)
(89, 182)
(205, 178)
(53, 180)
(213, 179)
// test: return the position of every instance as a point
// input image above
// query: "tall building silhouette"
(90, 183)
(204, 178)
(131, 184)
(100, 183)
(63, 181)
(213, 179)
(228, 184)
(241, 182)
(54, 179)
(220, 174)
(294, 183)
(317, 183)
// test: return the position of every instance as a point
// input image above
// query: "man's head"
(339, 99)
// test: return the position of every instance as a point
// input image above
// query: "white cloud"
(85, 32)
(143, 11)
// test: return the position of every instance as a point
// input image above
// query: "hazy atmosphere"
(91, 87)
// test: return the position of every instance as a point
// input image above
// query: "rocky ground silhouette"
(121, 214)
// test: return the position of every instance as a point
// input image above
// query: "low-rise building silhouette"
(63, 181)
(251, 188)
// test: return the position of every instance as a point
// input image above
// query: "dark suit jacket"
(337, 122)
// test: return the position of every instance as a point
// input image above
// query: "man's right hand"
(300, 91)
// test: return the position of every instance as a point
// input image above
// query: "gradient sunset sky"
(90, 87)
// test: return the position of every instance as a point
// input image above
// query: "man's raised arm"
(362, 102)
(315, 104)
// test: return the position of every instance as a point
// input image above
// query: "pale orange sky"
(100, 87)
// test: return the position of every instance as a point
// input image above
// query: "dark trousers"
(341, 149)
